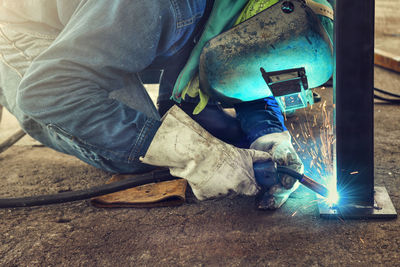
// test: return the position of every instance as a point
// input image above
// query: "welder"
(70, 72)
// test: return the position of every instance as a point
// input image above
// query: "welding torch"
(266, 174)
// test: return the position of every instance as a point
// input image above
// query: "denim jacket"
(68, 56)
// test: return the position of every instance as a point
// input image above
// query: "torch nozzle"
(315, 186)
(305, 180)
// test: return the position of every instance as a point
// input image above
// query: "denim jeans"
(78, 90)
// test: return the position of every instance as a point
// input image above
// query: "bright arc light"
(333, 197)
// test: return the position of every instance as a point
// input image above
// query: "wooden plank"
(387, 34)
(387, 60)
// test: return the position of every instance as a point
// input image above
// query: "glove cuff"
(273, 138)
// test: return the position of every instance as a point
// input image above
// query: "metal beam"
(354, 117)
(354, 50)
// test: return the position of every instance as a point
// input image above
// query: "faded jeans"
(79, 91)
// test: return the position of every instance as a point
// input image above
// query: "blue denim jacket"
(61, 90)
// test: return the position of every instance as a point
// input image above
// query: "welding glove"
(212, 168)
(214, 120)
(280, 147)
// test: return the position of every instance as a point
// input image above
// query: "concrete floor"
(227, 232)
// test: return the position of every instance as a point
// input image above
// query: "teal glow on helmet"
(283, 39)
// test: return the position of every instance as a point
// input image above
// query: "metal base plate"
(383, 208)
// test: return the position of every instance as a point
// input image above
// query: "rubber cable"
(395, 100)
(137, 180)
(386, 92)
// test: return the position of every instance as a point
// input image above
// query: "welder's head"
(277, 39)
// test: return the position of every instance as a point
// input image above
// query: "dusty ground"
(228, 232)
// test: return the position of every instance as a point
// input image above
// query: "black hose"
(137, 180)
(395, 100)
(386, 92)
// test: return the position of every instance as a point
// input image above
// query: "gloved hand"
(280, 147)
(214, 120)
(212, 168)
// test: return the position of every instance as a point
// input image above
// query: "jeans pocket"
(189, 21)
(189, 14)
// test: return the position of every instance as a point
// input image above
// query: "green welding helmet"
(283, 51)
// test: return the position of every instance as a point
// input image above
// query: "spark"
(315, 138)
(355, 172)
(340, 218)
(362, 241)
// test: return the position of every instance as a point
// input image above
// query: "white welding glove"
(212, 168)
(280, 147)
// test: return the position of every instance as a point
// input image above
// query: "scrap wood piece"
(387, 60)
(161, 194)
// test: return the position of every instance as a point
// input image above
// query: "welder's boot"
(212, 167)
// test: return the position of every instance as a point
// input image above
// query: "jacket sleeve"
(260, 117)
(66, 88)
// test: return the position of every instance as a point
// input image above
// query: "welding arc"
(391, 100)
(137, 180)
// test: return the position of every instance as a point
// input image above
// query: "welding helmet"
(282, 51)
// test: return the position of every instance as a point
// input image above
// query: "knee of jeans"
(30, 104)
(23, 103)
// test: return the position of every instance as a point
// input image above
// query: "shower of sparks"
(314, 141)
